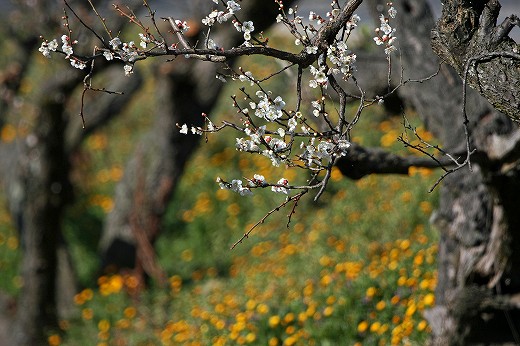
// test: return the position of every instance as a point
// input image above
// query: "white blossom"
(320, 78)
(392, 12)
(247, 77)
(258, 180)
(236, 185)
(47, 47)
(267, 109)
(233, 7)
(108, 55)
(196, 130)
(115, 43)
(292, 123)
(246, 145)
(184, 129)
(223, 17)
(129, 69)
(77, 63)
(385, 35)
(248, 26)
(66, 47)
(211, 44)
(311, 49)
(221, 78)
(343, 146)
(281, 184)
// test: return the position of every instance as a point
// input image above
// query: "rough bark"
(478, 284)
(468, 38)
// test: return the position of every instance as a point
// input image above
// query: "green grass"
(356, 267)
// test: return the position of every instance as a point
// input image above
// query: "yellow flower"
(302, 317)
(335, 174)
(404, 244)
(251, 304)
(290, 330)
(187, 255)
(380, 305)
(411, 310)
(54, 340)
(374, 327)
(429, 299)
(130, 312)
(262, 309)
(290, 340)
(371, 291)
(328, 311)
(274, 321)
(331, 300)
(289, 317)
(426, 207)
(250, 337)
(422, 325)
(362, 326)
(103, 325)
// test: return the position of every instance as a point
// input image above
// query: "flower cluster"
(47, 47)
(182, 25)
(320, 77)
(258, 180)
(324, 152)
(342, 58)
(266, 108)
(274, 146)
(52, 46)
(247, 28)
(317, 108)
(67, 47)
(194, 130)
(281, 186)
(236, 186)
(221, 16)
(385, 33)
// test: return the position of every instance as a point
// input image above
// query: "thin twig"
(262, 220)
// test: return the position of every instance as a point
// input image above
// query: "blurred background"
(140, 231)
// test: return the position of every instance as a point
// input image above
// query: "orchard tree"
(36, 164)
(478, 289)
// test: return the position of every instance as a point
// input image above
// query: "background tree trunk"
(36, 174)
(43, 178)
(184, 90)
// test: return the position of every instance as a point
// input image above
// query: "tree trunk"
(478, 291)
(35, 171)
(45, 187)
